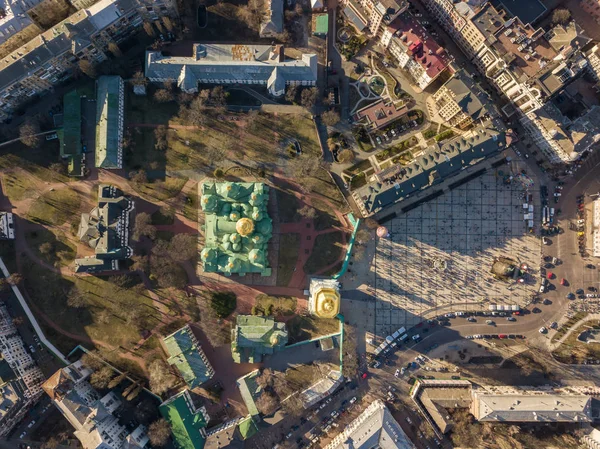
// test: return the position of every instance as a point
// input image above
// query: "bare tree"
(252, 14)
(138, 177)
(561, 16)
(215, 152)
(291, 93)
(117, 380)
(267, 403)
(252, 120)
(160, 137)
(161, 378)
(163, 96)
(28, 131)
(46, 248)
(75, 298)
(308, 97)
(159, 432)
(102, 377)
(302, 167)
(103, 317)
(195, 113)
(139, 79)
(87, 68)
(115, 50)
(363, 237)
(218, 97)
(330, 118)
(143, 227)
(183, 247)
(307, 212)
(14, 279)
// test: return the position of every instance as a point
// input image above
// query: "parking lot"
(440, 253)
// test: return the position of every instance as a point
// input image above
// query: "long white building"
(264, 65)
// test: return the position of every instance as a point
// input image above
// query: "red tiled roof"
(428, 54)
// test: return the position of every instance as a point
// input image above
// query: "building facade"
(13, 406)
(49, 59)
(20, 361)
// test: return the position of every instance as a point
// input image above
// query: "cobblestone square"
(440, 253)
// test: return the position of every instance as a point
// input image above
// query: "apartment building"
(20, 361)
(49, 58)
(92, 415)
(373, 14)
(110, 114)
(415, 50)
(264, 65)
(13, 406)
(14, 17)
(459, 102)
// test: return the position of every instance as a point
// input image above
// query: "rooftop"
(187, 423)
(436, 163)
(467, 94)
(530, 406)
(188, 357)
(255, 336)
(374, 427)
(410, 34)
(109, 121)
(322, 388)
(237, 228)
(380, 113)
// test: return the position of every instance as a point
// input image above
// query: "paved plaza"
(440, 253)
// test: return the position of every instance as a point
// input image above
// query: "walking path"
(591, 317)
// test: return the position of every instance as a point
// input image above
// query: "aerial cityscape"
(288, 224)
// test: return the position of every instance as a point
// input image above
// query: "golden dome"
(327, 303)
(244, 226)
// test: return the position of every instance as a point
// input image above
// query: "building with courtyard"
(324, 300)
(110, 112)
(415, 50)
(508, 404)
(188, 422)
(92, 415)
(460, 102)
(374, 427)
(237, 228)
(106, 230)
(255, 336)
(435, 164)
(265, 65)
(186, 354)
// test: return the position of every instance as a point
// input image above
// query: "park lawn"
(289, 247)
(302, 328)
(287, 206)
(328, 248)
(277, 305)
(575, 351)
(63, 250)
(190, 207)
(55, 207)
(142, 109)
(18, 187)
(47, 290)
(161, 190)
(326, 217)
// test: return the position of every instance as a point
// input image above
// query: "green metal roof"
(255, 336)
(247, 427)
(108, 121)
(322, 24)
(237, 228)
(186, 426)
(70, 138)
(249, 390)
(186, 355)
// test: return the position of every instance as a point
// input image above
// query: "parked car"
(543, 330)
(397, 373)
(511, 318)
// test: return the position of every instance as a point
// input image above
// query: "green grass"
(47, 291)
(161, 190)
(289, 247)
(274, 305)
(19, 187)
(358, 181)
(55, 207)
(62, 250)
(574, 351)
(163, 216)
(287, 206)
(302, 328)
(565, 327)
(326, 251)
(359, 167)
